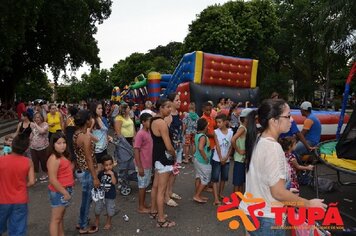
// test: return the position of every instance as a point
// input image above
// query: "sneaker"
(94, 195)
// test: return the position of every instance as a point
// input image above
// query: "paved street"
(192, 218)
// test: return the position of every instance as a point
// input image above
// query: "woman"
(124, 125)
(24, 127)
(38, 144)
(99, 131)
(163, 160)
(54, 120)
(69, 131)
(86, 167)
(266, 165)
(175, 125)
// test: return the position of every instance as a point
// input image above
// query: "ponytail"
(251, 136)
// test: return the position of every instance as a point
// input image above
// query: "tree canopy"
(53, 34)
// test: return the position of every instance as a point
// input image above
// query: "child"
(288, 144)
(221, 157)
(143, 160)
(61, 182)
(207, 115)
(189, 130)
(16, 174)
(238, 143)
(202, 160)
(108, 180)
(7, 145)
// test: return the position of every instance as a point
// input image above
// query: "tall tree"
(237, 28)
(51, 34)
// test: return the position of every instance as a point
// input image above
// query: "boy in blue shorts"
(143, 147)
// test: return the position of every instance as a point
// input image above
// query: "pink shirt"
(143, 142)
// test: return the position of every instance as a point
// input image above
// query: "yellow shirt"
(56, 120)
(127, 127)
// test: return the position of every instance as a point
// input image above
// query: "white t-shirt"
(268, 165)
(224, 143)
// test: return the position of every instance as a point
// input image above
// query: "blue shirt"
(292, 131)
(313, 134)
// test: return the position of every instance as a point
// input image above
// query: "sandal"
(176, 196)
(166, 224)
(153, 215)
(171, 203)
(93, 229)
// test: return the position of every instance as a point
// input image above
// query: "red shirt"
(20, 109)
(13, 179)
(211, 127)
(64, 174)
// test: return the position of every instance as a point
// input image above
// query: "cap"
(245, 112)
(306, 106)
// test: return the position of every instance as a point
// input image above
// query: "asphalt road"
(191, 218)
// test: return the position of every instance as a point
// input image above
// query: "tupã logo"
(230, 210)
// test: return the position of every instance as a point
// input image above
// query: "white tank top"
(224, 143)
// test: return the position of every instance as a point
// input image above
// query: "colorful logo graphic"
(331, 218)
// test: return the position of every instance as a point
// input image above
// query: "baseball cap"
(306, 106)
(245, 112)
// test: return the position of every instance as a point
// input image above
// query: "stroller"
(124, 156)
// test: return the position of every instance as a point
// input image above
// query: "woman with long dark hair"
(86, 167)
(266, 166)
(99, 131)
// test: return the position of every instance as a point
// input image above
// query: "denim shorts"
(239, 174)
(144, 181)
(266, 228)
(56, 198)
(219, 171)
(108, 204)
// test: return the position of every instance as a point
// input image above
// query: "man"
(16, 175)
(311, 130)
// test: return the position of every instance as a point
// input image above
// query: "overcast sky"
(140, 25)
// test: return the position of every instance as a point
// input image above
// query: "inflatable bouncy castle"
(200, 77)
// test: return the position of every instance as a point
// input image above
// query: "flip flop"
(217, 203)
(171, 203)
(93, 229)
(107, 227)
(176, 196)
(199, 201)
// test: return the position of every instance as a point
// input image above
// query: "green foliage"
(35, 86)
(163, 59)
(277, 82)
(95, 85)
(53, 34)
(237, 28)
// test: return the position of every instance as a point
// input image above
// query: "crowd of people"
(263, 144)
